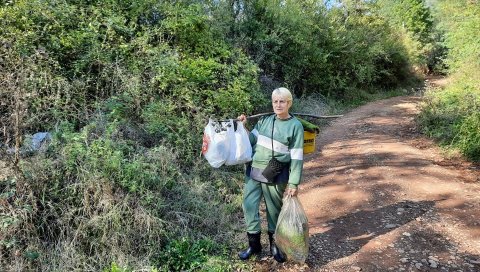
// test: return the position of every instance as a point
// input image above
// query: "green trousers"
(252, 195)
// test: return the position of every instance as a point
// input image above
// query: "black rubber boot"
(254, 246)
(274, 250)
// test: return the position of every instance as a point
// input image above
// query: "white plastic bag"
(217, 141)
(291, 235)
(241, 149)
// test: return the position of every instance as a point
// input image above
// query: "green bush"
(311, 49)
(451, 115)
(414, 20)
(468, 136)
(100, 197)
(185, 254)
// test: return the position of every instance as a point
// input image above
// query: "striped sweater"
(287, 145)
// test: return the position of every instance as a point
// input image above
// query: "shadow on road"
(349, 233)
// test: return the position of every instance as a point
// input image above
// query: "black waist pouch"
(273, 169)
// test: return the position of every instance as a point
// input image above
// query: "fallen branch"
(300, 114)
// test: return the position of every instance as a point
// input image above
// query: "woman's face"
(281, 106)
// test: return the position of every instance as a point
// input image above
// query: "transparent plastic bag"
(217, 142)
(291, 235)
(241, 149)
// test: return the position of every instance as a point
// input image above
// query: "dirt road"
(381, 197)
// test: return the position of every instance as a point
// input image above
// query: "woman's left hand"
(292, 191)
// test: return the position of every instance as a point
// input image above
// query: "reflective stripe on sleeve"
(296, 154)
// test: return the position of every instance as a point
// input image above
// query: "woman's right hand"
(242, 118)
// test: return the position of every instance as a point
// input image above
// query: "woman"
(279, 135)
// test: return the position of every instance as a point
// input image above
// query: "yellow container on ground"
(308, 142)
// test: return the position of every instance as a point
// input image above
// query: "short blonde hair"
(282, 92)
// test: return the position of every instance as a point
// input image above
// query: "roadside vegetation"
(452, 115)
(126, 87)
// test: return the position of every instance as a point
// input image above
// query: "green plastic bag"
(291, 235)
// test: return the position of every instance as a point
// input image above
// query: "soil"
(380, 196)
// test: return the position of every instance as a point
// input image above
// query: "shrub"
(451, 115)
(185, 254)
